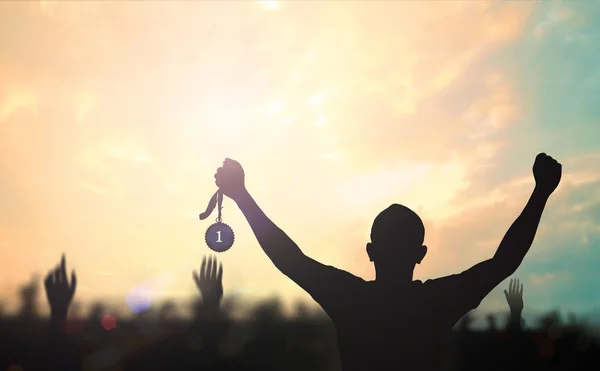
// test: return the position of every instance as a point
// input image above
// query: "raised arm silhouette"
(60, 293)
(60, 347)
(518, 348)
(210, 324)
(514, 297)
(394, 322)
(210, 283)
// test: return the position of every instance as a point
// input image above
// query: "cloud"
(563, 256)
(14, 101)
(558, 14)
(542, 279)
(433, 123)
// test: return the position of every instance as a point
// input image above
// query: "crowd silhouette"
(391, 323)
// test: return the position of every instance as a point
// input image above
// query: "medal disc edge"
(206, 237)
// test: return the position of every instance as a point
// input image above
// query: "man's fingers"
(57, 275)
(203, 269)
(73, 282)
(213, 273)
(48, 280)
(506, 294)
(521, 291)
(220, 274)
(63, 268)
(209, 269)
(196, 278)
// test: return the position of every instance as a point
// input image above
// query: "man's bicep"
(474, 284)
(319, 280)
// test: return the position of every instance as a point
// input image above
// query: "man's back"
(401, 327)
(405, 327)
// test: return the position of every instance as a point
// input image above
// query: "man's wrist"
(541, 193)
(516, 313)
(58, 316)
(211, 306)
(58, 320)
(242, 198)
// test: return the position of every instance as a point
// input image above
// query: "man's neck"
(394, 276)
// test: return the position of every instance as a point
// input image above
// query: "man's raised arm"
(518, 239)
(479, 280)
(283, 252)
(280, 248)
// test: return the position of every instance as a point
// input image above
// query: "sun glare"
(270, 4)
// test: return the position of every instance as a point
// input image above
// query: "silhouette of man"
(394, 322)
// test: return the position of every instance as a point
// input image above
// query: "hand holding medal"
(230, 180)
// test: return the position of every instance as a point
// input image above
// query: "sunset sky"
(114, 117)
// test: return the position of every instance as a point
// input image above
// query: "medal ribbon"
(216, 198)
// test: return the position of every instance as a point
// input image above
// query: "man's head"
(397, 238)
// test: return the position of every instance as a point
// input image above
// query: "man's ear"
(422, 253)
(370, 251)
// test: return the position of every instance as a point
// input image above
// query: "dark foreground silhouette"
(159, 340)
(394, 322)
(270, 341)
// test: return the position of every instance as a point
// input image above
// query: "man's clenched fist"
(230, 179)
(547, 173)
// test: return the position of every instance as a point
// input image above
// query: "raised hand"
(230, 179)
(210, 281)
(514, 296)
(547, 173)
(59, 291)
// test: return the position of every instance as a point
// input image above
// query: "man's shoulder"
(453, 290)
(348, 277)
(442, 279)
(339, 281)
(442, 283)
